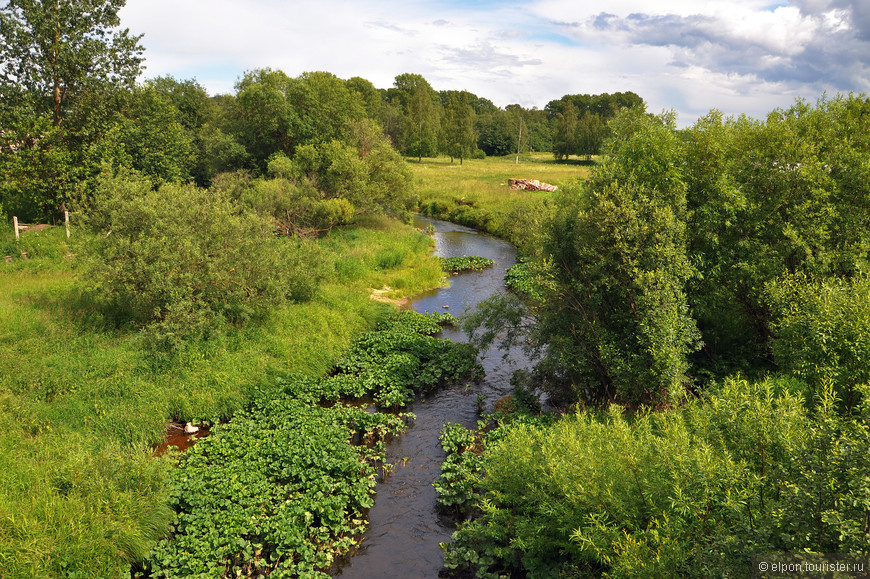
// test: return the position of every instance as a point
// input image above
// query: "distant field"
(476, 193)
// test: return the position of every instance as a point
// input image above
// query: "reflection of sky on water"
(466, 289)
(405, 526)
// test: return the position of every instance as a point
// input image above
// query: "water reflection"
(405, 525)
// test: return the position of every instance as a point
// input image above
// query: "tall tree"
(57, 50)
(423, 124)
(496, 133)
(458, 126)
(59, 60)
(564, 140)
(591, 132)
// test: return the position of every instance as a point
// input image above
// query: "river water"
(405, 527)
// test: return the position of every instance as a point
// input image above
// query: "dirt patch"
(177, 436)
(380, 295)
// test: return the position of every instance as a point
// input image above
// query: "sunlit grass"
(477, 194)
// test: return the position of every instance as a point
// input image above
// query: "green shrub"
(183, 261)
(692, 491)
(821, 332)
(465, 263)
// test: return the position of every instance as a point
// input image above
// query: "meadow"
(82, 402)
(476, 193)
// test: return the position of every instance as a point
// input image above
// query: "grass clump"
(465, 263)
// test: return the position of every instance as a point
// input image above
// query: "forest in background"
(72, 108)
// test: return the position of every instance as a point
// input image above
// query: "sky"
(690, 56)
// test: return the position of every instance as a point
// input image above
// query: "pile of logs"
(530, 185)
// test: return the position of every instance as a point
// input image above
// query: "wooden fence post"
(66, 222)
(15, 223)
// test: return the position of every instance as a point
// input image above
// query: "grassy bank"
(82, 402)
(476, 193)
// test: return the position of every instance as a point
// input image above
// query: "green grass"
(476, 193)
(82, 402)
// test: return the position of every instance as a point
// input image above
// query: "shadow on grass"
(574, 162)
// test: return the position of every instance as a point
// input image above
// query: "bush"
(465, 263)
(295, 207)
(679, 493)
(694, 491)
(184, 261)
(820, 330)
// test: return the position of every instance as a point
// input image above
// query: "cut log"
(530, 185)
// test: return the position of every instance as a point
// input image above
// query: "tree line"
(70, 106)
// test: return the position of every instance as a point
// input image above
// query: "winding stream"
(405, 526)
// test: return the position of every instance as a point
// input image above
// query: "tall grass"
(82, 402)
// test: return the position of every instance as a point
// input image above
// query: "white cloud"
(736, 55)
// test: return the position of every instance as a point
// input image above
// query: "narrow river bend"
(405, 527)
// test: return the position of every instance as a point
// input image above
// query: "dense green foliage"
(183, 260)
(62, 61)
(768, 200)
(821, 331)
(694, 491)
(277, 490)
(581, 121)
(280, 488)
(619, 266)
(458, 136)
(521, 279)
(748, 239)
(655, 270)
(465, 263)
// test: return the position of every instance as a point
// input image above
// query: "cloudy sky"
(738, 56)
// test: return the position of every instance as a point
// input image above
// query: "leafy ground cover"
(280, 489)
(465, 263)
(521, 279)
